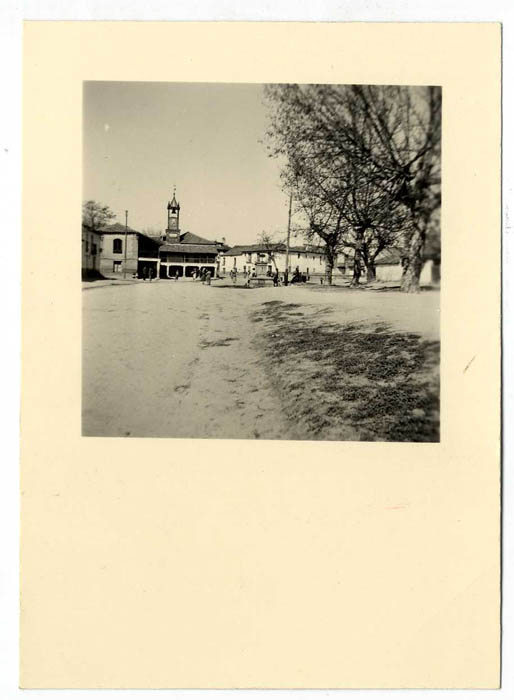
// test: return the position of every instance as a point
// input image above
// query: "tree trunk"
(357, 266)
(329, 270)
(412, 264)
(357, 269)
(371, 272)
(329, 266)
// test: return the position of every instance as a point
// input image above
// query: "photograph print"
(261, 261)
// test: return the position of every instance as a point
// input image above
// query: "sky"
(141, 139)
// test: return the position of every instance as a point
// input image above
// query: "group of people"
(233, 275)
(249, 275)
(148, 273)
(204, 274)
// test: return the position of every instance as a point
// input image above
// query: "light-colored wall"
(90, 262)
(307, 263)
(393, 273)
(107, 256)
(389, 273)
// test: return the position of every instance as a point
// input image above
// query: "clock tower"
(173, 230)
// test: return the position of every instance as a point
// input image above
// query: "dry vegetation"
(354, 381)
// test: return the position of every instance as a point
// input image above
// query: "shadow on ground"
(354, 381)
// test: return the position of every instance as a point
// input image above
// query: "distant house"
(388, 266)
(141, 252)
(91, 250)
(309, 260)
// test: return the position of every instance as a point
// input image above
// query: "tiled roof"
(193, 239)
(388, 259)
(276, 248)
(120, 229)
(116, 228)
(236, 250)
(306, 249)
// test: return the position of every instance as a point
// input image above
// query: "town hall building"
(185, 254)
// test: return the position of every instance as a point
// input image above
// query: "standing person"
(150, 274)
(208, 277)
(145, 273)
(275, 279)
(176, 276)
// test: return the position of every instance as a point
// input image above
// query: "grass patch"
(353, 381)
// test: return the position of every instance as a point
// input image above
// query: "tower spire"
(173, 228)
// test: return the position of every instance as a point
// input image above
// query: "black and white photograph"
(261, 261)
(261, 429)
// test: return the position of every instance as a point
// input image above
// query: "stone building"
(91, 250)
(115, 261)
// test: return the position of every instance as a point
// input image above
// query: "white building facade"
(308, 261)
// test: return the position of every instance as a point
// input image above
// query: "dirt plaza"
(186, 360)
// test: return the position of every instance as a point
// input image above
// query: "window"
(117, 245)
(87, 246)
(116, 266)
(93, 248)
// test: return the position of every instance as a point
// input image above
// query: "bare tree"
(371, 153)
(271, 246)
(407, 122)
(96, 215)
(326, 223)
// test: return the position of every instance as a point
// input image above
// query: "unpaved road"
(174, 359)
(179, 359)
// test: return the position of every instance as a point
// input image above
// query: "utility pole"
(286, 273)
(125, 248)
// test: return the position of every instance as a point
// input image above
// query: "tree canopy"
(364, 164)
(96, 215)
